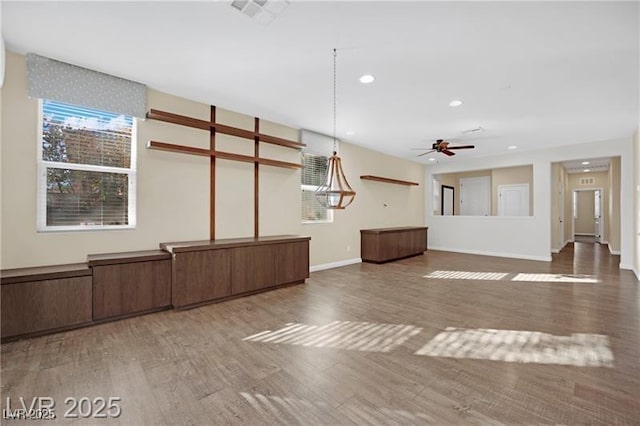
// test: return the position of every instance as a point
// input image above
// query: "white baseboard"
(492, 253)
(337, 264)
(584, 234)
(635, 271)
(556, 251)
(616, 252)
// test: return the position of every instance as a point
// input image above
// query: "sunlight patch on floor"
(351, 335)
(466, 275)
(556, 278)
(579, 349)
(503, 276)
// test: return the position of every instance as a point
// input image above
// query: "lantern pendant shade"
(335, 193)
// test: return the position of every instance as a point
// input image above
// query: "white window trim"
(41, 193)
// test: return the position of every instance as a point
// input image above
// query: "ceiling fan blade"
(426, 152)
(461, 147)
(447, 152)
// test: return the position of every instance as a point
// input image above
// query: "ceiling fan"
(443, 146)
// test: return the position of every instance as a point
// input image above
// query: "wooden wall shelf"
(388, 180)
(182, 149)
(182, 120)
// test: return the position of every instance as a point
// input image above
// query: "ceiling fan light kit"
(444, 147)
(335, 193)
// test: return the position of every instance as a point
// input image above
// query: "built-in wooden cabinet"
(207, 271)
(130, 283)
(386, 244)
(52, 298)
(111, 286)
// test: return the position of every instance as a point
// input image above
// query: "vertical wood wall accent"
(256, 180)
(213, 127)
(212, 178)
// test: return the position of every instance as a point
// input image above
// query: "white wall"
(526, 237)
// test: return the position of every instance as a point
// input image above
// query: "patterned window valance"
(62, 82)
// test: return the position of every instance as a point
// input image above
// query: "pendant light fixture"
(335, 193)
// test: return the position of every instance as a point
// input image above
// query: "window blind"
(59, 81)
(315, 156)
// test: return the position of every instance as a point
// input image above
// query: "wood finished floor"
(193, 367)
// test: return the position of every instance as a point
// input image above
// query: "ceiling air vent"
(263, 11)
(586, 181)
(472, 131)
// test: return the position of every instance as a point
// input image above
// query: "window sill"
(88, 228)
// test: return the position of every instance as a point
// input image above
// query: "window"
(315, 159)
(86, 169)
(314, 169)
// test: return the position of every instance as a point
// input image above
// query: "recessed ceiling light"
(432, 159)
(350, 133)
(513, 147)
(584, 163)
(455, 103)
(587, 170)
(367, 78)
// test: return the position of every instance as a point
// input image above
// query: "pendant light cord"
(335, 54)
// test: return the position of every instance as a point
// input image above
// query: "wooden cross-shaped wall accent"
(212, 127)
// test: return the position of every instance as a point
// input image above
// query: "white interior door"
(475, 196)
(513, 200)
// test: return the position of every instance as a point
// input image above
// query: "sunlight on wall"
(579, 349)
(359, 336)
(305, 411)
(498, 276)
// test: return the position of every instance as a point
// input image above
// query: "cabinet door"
(389, 245)
(253, 268)
(291, 262)
(130, 287)
(45, 305)
(200, 276)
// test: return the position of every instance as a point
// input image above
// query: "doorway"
(447, 206)
(587, 215)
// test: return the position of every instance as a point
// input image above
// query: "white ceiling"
(532, 75)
